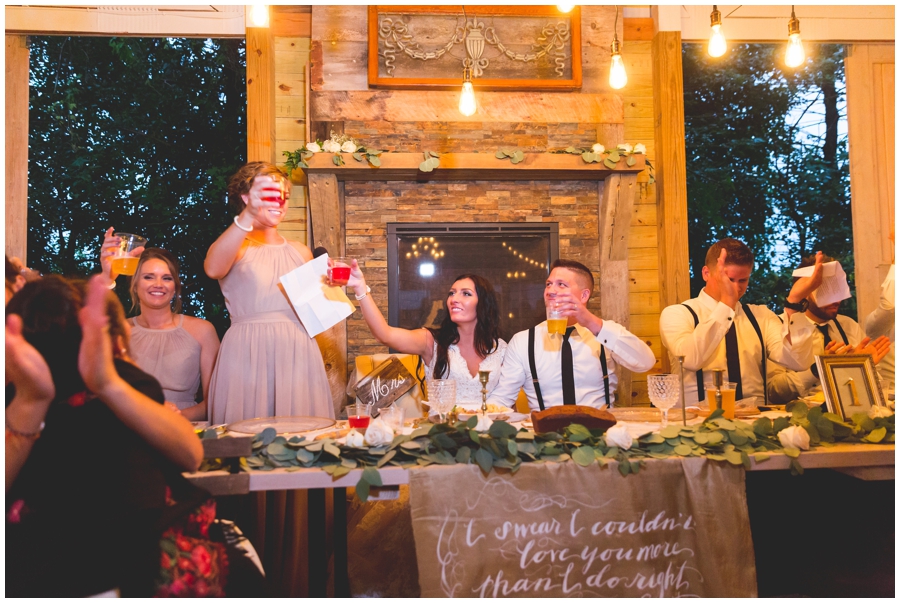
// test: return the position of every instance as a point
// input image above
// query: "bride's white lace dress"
(468, 387)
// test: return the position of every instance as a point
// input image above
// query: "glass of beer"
(339, 271)
(556, 322)
(729, 388)
(124, 262)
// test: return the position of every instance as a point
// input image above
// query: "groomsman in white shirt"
(715, 331)
(786, 385)
(578, 367)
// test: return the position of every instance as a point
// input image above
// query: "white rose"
(794, 437)
(348, 147)
(625, 147)
(379, 433)
(598, 148)
(330, 146)
(640, 148)
(618, 435)
(313, 147)
(484, 423)
(354, 439)
(879, 411)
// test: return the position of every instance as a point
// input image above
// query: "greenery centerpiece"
(503, 447)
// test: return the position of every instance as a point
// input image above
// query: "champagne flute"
(663, 390)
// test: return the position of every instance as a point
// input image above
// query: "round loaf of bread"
(557, 418)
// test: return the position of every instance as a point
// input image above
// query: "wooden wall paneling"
(634, 29)
(616, 197)
(338, 49)
(287, 22)
(260, 94)
(326, 205)
(597, 24)
(671, 174)
(17, 70)
(435, 105)
(610, 134)
(870, 117)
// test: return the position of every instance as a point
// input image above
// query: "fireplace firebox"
(424, 259)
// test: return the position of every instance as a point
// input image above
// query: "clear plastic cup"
(123, 262)
(556, 322)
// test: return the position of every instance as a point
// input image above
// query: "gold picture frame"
(850, 383)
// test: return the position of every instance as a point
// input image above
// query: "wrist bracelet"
(27, 436)
(364, 295)
(238, 224)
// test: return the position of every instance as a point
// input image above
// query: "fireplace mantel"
(615, 200)
(469, 166)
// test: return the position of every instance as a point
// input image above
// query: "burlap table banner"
(678, 528)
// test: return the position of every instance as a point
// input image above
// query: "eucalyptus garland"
(505, 447)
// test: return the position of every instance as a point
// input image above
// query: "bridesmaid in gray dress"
(268, 364)
(180, 351)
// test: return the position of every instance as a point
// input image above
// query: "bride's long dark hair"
(487, 325)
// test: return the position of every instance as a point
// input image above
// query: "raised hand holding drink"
(339, 271)
(124, 262)
(556, 322)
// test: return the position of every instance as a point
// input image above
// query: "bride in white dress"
(467, 340)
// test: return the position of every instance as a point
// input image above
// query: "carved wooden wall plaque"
(515, 47)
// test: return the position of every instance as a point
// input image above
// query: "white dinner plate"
(281, 425)
(509, 417)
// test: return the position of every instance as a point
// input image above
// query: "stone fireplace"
(351, 206)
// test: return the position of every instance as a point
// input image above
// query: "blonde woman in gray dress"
(180, 351)
(268, 364)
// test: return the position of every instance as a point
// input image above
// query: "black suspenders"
(701, 393)
(537, 383)
(840, 330)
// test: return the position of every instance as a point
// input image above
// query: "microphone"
(319, 251)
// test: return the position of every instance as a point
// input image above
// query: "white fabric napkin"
(834, 285)
(318, 305)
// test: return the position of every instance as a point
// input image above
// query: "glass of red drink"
(275, 193)
(358, 415)
(339, 271)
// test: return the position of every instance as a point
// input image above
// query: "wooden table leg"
(317, 544)
(341, 578)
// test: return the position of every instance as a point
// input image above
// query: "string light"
(467, 98)
(617, 76)
(795, 54)
(717, 44)
(565, 8)
(258, 15)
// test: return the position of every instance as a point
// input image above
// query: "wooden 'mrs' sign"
(386, 383)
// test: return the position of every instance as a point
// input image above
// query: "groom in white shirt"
(578, 367)
(715, 331)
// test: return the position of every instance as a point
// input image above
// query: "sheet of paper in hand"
(387, 382)
(834, 285)
(678, 528)
(318, 305)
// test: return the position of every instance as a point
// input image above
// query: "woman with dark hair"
(84, 512)
(268, 364)
(180, 351)
(467, 340)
